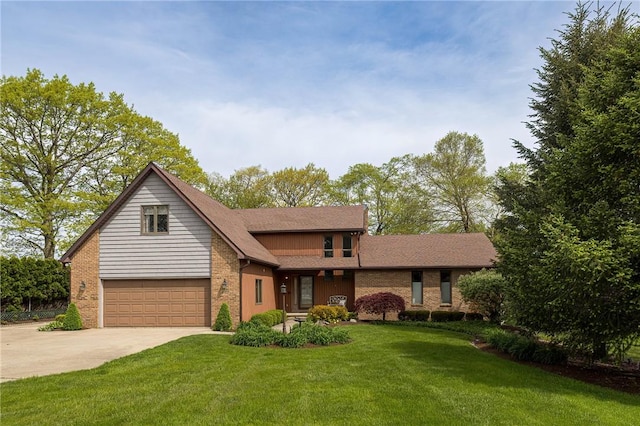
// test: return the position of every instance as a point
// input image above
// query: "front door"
(306, 291)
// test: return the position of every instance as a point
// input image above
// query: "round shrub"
(72, 319)
(473, 316)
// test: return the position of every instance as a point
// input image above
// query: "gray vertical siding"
(184, 252)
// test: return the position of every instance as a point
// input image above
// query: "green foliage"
(414, 315)
(456, 173)
(570, 240)
(53, 325)
(300, 187)
(43, 281)
(223, 320)
(524, 348)
(60, 317)
(66, 152)
(246, 188)
(268, 318)
(380, 304)
(444, 316)
(72, 319)
(328, 313)
(485, 292)
(473, 316)
(256, 334)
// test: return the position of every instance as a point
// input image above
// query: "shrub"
(414, 316)
(268, 318)
(255, 333)
(525, 348)
(223, 320)
(328, 313)
(473, 316)
(54, 325)
(485, 292)
(72, 320)
(444, 316)
(60, 317)
(380, 303)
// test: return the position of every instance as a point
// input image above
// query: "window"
(348, 274)
(328, 246)
(328, 275)
(346, 246)
(155, 219)
(258, 291)
(445, 287)
(416, 287)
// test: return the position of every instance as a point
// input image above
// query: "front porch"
(306, 289)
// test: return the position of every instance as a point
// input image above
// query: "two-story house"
(166, 254)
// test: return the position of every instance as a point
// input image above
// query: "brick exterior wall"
(399, 282)
(85, 266)
(224, 266)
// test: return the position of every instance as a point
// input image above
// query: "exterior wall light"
(283, 290)
(225, 286)
(83, 285)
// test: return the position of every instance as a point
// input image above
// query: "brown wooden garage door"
(157, 303)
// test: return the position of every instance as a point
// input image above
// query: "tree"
(293, 187)
(72, 320)
(570, 238)
(246, 188)
(456, 174)
(397, 203)
(223, 320)
(485, 292)
(66, 151)
(379, 304)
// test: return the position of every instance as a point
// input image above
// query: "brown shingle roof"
(305, 219)
(309, 262)
(426, 251)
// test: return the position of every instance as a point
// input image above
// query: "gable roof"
(220, 218)
(426, 251)
(305, 219)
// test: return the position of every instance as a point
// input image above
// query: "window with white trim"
(258, 291)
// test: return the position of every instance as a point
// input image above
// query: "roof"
(305, 219)
(426, 251)
(311, 263)
(220, 218)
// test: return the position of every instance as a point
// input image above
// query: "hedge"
(443, 316)
(40, 283)
(414, 315)
(268, 318)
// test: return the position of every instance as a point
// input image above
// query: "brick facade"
(224, 266)
(85, 267)
(399, 282)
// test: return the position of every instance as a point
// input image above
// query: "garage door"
(157, 303)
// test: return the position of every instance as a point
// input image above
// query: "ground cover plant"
(417, 374)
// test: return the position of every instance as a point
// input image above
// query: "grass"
(387, 375)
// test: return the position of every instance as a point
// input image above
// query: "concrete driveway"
(27, 352)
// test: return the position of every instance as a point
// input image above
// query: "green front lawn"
(387, 375)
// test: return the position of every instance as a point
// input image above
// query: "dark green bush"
(43, 282)
(525, 348)
(72, 319)
(255, 333)
(444, 316)
(414, 315)
(223, 320)
(473, 316)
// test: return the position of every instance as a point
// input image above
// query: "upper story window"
(155, 219)
(328, 246)
(347, 249)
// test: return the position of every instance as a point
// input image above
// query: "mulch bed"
(625, 378)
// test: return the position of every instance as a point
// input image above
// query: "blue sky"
(288, 83)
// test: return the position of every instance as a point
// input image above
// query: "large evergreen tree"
(570, 239)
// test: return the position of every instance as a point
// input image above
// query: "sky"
(284, 84)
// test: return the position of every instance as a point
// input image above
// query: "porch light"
(83, 285)
(225, 286)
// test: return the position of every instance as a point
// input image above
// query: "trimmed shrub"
(485, 292)
(414, 315)
(328, 313)
(444, 316)
(256, 334)
(380, 304)
(525, 348)
(72, 319)
(223, 320)
(268, 318)
(473, 316)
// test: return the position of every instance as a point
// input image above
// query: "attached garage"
(157, 303)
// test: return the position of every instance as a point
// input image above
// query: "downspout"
(240, 281)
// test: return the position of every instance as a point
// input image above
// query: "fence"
(26, 316)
